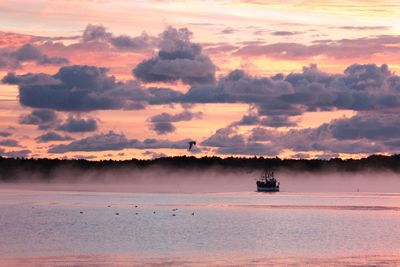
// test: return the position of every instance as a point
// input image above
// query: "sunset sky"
(99, 79)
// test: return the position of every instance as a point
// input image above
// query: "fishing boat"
(267, 182)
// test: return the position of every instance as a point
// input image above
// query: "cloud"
(249, 119)
(270, 121)
(163, 127)
(162, 123)
(363, 133)
(277, 121)
(284, 33)
(43, 118)
(228, 30)
(77, 125)
(18, 153)
(366, 87)
(359, 88)
(99, 34)
(73, 88)
(370, 126)
(344, 48)
(98, 142)
(115, 141)
(52, 136)
(154, 155)
(229, 142)
(224, 137)
(9, 142)
(27, 53)
(85, 88)
(177, 59)
(5, 134)
(365, 28)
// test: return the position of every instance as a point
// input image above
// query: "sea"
(79, 228)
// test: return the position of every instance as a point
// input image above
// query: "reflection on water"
(284, 229)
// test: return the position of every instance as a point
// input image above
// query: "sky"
(98, 79)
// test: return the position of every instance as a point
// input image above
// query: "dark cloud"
(18, 153)
(360, 88)
(76, 125)
(275, 99)
(162, 123)
(284, 33)
(9, 142)
(370, 126)
(99, 34)
(98, 142)
(95, 33)
(249, 119)
(5, 134)
(229, 142)
(277, 121)
(30, 79)
(270, 121)
(52, 136)
(73, 88)
(363, 133)
(225, 137)
(163, 127)
(43, 118)
(115, 141)
(228, 30)
(28, 53)
(86, 88)
(177, 59)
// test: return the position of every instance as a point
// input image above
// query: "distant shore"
(16, 169)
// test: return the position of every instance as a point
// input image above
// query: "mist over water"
(168, 180)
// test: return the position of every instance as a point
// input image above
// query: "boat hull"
(267, 189)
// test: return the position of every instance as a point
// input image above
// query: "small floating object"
(173, 215)
(117, 213)
(137, 213)
(135, 206)
(154, 212)
(81, 212)
(192, 213)
(108, 206)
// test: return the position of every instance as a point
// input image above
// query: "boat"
(267, 182)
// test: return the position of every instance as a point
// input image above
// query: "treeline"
(46, 169)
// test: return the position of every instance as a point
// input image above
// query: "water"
(49, 228)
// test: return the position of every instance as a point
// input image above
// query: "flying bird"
(191, 144)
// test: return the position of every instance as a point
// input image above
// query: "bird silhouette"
(191, 144)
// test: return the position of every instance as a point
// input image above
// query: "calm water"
(61, 228)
